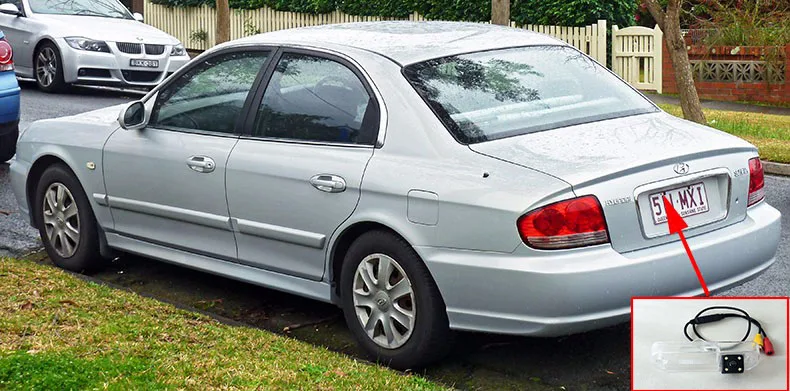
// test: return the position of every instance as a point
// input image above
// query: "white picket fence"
(195, 26)
(589, 39)
(636, 56)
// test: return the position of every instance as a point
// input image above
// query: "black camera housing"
(732, 363)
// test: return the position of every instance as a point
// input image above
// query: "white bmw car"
(87, 42)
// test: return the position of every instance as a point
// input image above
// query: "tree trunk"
(669, 22)
(500, 12)
(223, 22)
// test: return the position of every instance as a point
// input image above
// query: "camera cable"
(761, 338)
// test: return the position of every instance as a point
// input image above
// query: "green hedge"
(552, 12)
(387, 8)
(573, 12)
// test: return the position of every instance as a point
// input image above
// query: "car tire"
(47, 53)
(8, 144)
(58, 223)
(428, 337)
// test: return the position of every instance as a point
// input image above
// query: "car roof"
(406, 42)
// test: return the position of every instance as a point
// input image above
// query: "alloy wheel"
(46, 66)
(384, 301)
(61, 220)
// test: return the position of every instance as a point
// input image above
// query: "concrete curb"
(776, 168)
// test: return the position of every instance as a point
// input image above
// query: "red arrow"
(677, 225)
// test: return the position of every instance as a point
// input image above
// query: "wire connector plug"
(768, 346)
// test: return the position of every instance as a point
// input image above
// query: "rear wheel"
(49, 68)
(65, 221)
(391, 303)
(8, 144)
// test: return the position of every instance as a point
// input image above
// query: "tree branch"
(656, 12)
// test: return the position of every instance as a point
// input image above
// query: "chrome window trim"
(306, 142)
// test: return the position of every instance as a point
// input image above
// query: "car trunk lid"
(630, 163)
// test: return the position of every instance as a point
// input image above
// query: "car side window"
(311, 98)
(210, 96)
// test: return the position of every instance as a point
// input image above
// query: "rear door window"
(316, 99)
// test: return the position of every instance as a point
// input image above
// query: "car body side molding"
(318, 290)
(170, 212)
(283, 234)
(100, 199)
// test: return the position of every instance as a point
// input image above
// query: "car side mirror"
(10, 9)
(137, 16)
(133, 116)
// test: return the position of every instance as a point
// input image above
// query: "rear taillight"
(6, 56)
(566, 224)
(756, 181)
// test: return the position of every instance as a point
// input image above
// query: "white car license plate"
(688, 201)
(144, 63)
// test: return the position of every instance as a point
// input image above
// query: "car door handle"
(202, 164)
(328, 183)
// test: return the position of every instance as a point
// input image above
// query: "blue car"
(9, 102)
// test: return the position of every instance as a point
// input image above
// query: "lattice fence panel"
(739, 71)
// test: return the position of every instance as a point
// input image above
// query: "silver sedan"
(425, 177)
(98, 42)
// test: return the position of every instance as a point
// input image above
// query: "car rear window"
(501, 93)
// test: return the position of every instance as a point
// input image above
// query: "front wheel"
(391, 303)
(49, 68)
(65, 221)
(8, 144)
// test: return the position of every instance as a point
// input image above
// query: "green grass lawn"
(769, 133)
(60, 332)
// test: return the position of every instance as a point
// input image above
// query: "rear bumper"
(566, 292)
(9, 101)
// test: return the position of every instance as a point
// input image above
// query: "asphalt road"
(597, 360)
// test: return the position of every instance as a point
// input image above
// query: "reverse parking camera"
(732, 363)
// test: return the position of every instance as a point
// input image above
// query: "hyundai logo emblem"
(681, 168)
(140, 39)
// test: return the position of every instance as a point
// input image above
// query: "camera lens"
(732, 363)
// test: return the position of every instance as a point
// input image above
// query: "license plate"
(688, 201)
(144, 63)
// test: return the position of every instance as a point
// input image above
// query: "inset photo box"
(709, 343)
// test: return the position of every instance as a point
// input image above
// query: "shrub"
(556, 12)
(198, 36)
(748, 22)
(467, 10)
(384, 8)
(573, 12)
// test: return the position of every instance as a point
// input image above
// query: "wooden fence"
(195, 26)
(589, 39)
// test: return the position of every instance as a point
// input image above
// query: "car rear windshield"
(501, 93)
(102, 8)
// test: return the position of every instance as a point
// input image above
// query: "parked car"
(87, 42)
(425, 177)
(9, 102)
